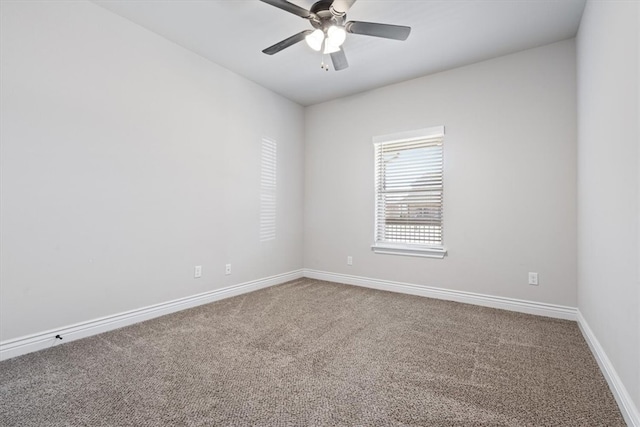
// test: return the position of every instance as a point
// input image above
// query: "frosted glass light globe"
(315, 39)
(330, 47)
(336, 35)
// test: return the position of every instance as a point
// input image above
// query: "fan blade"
(287, 42)
(396, 32)
(340, 7)
(339, 60)
(289, 7)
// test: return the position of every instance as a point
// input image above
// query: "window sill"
(410, 250)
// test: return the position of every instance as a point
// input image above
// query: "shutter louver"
(409, 185)
(268, 191)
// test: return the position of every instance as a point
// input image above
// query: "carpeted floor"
(310, 353)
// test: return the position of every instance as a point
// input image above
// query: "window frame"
(398, 248)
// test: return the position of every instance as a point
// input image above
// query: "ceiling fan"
(328, 18)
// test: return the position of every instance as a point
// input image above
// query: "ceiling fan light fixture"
(330, 47)
(336, 35)
(315, 39)
(329, 20)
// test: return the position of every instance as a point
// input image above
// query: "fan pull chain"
(324, 65)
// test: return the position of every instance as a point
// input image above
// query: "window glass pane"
(409, 192)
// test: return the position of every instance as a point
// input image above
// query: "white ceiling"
(445, 34)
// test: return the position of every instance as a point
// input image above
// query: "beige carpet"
(316, 353)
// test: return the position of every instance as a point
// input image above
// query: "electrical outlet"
(349, 260)
(227, 269)
(197, 271)
(533, 279)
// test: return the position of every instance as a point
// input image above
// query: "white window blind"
(268, 190)
(409, 195)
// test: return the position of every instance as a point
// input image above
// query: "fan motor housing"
(326, 16)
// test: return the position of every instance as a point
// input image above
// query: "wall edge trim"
(42, 340)
(623, 398)
(504, 303)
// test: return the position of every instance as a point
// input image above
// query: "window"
(409, 192)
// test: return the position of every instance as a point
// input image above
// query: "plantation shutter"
(268, 190)
(409, 186)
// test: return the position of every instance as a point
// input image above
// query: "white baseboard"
(511, 304)
(27, 344)
(626, 404)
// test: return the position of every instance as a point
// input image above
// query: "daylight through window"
(409, 193)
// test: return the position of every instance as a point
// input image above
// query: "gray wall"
(510, 176)
(609, 182)
(126, 161)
